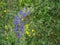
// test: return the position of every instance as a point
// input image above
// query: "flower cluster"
(27, 31)
(19, 22)
(19, 26)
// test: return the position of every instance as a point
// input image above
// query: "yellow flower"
(27, 26)
(27, 33)
(6, 27)
(33, 30)
(5, 11)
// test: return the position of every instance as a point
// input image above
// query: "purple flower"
(22, 28)
(28, 13)
(20, 12)
(24, 14)
(17, 26)
(18, 35)
(15, 29)
(15, 22)
(16, 17)
(24, 8)
(22, 23)
(20, 18)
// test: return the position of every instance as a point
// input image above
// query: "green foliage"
(44, 19)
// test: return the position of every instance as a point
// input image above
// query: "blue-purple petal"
(15, 22)
(16, 17)
(18, 35)
(24, 8)
(15, 29)
(28, 13)
(22, 29)
(20, 12)
(22, 23)
(24, 14)
(20, 18)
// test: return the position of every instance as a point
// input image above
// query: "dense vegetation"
(41, 22)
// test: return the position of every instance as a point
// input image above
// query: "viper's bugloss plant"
(19, 23)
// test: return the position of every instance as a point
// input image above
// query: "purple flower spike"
(15, 22)
(18, 35)
(20, 12)
(24, 14)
